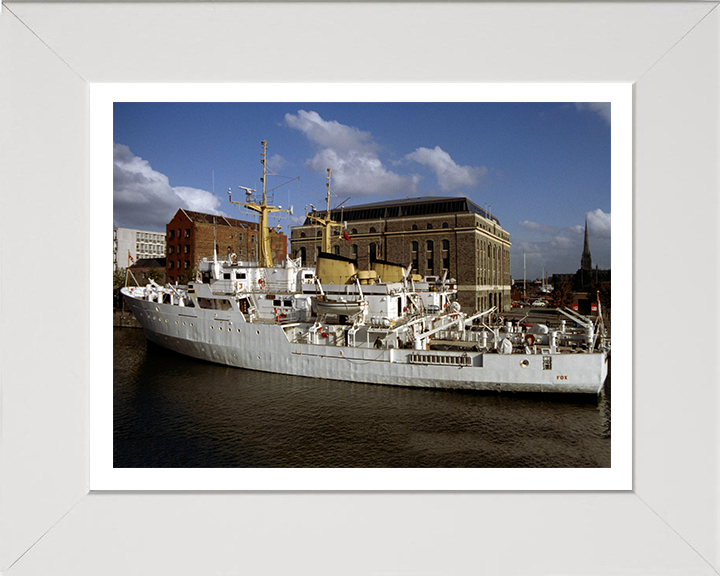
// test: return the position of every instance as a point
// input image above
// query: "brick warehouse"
(433, 234)
(191, 236)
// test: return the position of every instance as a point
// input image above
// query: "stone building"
(434, 234)
(192, 236)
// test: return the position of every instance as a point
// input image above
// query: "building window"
(446, 254)
(172, 264)
(429, 226)
(187, 264)
(354, 231)
(172, 234)
(414, 227)
(372, 230)
(337, 250)
(445, 225)
(303, 256)
(430, 257)
(302, 235)
(187, 249)
(187, 232)
(354, 250)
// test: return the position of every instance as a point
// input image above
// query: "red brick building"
(192, 236)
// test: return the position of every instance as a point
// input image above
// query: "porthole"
(525, 363)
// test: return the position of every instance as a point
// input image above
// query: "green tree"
(562, 295)
(118, 282)
(153, 274)
(188, 275)
(600, 290)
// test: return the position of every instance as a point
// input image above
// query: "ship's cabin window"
(287, 303)
(226, 275)
(240, 275)
(277, 303)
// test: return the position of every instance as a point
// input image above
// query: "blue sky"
(542, 168)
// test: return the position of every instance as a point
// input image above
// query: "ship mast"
(265, 254)
(327, 223)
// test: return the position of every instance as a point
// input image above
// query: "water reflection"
(172, 411)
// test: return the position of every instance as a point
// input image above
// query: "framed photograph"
(64, 505)
(499, 454)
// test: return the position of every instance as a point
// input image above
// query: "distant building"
(131, 245)
(584, 280)
(192, 236)
(434, 234)
(146, 268)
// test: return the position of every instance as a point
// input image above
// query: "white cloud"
(559, 250)
(352, 156)
(276, 162)
(602, 109)
(449, 174)
(331, 134)
(143, 197)
(598, 223)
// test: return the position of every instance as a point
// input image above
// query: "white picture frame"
(51, 53)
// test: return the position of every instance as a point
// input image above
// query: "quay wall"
(125, 319)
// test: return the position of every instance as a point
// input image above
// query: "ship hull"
(224, 337)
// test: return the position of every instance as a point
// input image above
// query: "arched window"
(414, 226)
(445, 225)
(354, 231)
(429, 226)
(372, 230)
(302, 234)
(430, 257)
(414, 256)
(302, 255)
(319, 233)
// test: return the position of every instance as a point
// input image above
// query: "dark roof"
(422, 206)
(218, 220)
(149, 263)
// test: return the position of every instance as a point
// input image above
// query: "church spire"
(586, 260)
